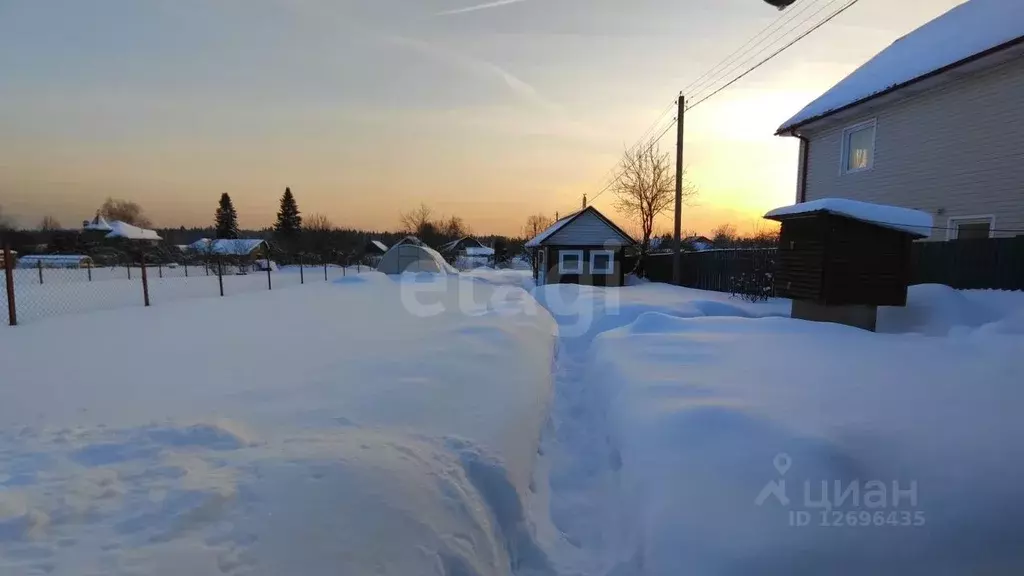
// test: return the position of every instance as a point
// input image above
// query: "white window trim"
(561, 262)
(611, 261)
(951, 227)
(844, 151)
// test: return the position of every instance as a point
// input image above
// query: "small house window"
(602, 262)
(971, 228)
(859, 148)
(570, 262)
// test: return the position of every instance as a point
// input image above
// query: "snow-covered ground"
(367, 426)
(681, 417)
(473, 425)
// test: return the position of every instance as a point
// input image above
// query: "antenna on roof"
(584, 201)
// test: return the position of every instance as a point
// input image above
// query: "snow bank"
(968, 29)
(903, 219)
(682, 417)
(701, 410)
(380, 427)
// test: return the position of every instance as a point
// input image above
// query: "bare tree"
(454, 228)
(317, 229)
(535, 225)
(417, 220)
(49, 224)
(317, 222)
(724, 236)
(645, 189)
(126, 211)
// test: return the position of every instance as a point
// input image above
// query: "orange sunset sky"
(366, 108)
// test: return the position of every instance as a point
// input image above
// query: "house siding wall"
(616, 278)
(587, 230)
(954, 151)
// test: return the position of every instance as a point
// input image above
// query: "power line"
(776, 53)
(764, 47)
(653, 141)
(745, 49)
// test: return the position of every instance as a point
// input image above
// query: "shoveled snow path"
(577, 481)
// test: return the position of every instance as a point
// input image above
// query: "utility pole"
(584, 201)
(676, 240)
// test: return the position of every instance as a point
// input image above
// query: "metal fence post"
(220, 274)
(302, 274)
(270, 285)
(39, 266)
(145, 281)
(88, 267)
(160, 269)
(325, 268)
(186, 269)
(12, 310)
(128, 267)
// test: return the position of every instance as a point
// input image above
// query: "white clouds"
(477, 7)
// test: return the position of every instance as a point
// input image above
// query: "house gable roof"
(966, 33)
(566, 222)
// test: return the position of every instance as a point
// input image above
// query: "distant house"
(244, 251)
(409, 240)
(54, 261)
(466, 246)
(581, 248)
(934, 123)
(14, 258)
(699, 243)
(126, 231)
(375, 247)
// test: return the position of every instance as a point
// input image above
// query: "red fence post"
(12, 310)
(145, 282)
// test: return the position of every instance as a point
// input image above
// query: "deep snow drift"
(678, 413)
(372, 426)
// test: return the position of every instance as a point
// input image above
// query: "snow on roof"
(124, 230)
(98, 223)
(550, 230)
(227, 247)
(479, 251)
(55, 258)
(380, 245)
(903, 219)
(965, 31)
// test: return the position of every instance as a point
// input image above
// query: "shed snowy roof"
(120, 229)
(98, 223)
(226, 247)
(550, 230)
(967, 30)
(903, 219)
(379, 245)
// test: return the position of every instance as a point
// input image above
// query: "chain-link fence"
(38, 287)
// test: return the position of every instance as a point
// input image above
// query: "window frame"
(562, 270)
(844, 147)
(611, 262)
(953, 230)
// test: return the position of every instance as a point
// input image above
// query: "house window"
(971, 227)
(602, 262)
(858, 147)
(570, 262)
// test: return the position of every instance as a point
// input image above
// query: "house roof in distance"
(906, 220)
(968, 30)
(227, 247)
(98, 223)
(124, 230)
(561, 223)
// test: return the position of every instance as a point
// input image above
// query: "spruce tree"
(289, 221)
(226, 219)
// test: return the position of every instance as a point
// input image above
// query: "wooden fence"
(996, 263)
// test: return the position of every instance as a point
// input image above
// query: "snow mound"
(934, 310)
(966, 30)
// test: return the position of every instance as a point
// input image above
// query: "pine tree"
(226, 219)
(289, 221)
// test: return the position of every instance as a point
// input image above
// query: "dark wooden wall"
(553, 277)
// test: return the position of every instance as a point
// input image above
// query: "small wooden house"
(838, 259)
(582, 248)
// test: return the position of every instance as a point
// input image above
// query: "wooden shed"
(840, 259)
(582, 248)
